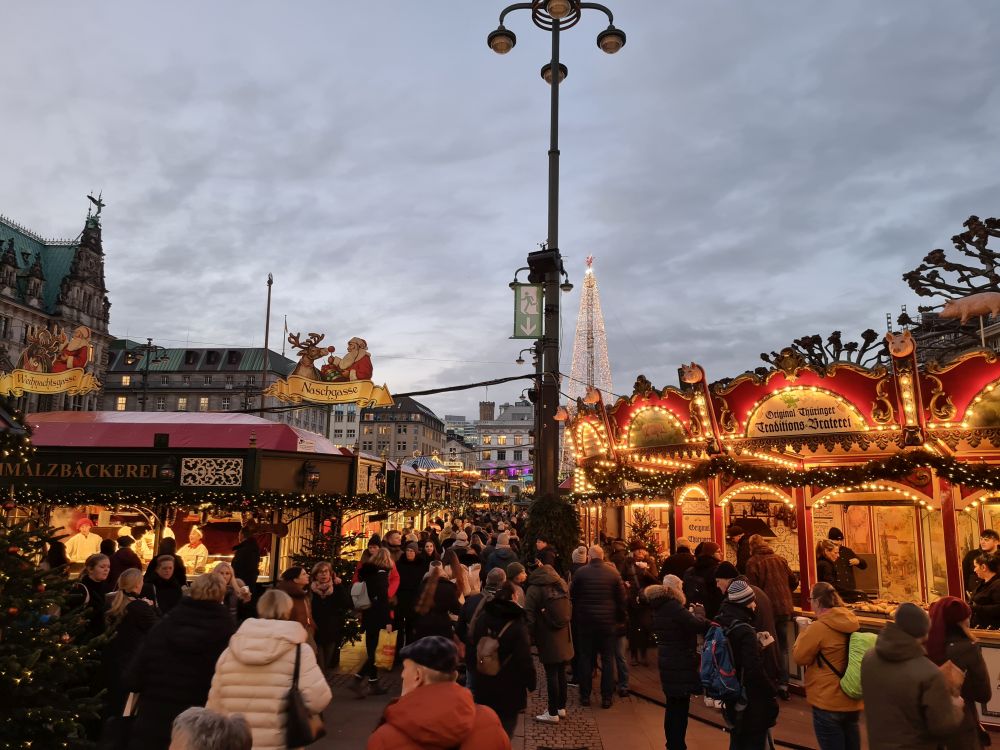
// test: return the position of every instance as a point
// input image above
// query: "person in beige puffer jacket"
(254, 674)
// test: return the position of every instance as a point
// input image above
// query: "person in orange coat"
(434, 711)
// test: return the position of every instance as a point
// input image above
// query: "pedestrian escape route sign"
(527, 311)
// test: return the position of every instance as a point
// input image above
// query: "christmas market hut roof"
(112, 429)
(425, 463)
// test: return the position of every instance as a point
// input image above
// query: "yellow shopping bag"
(352, 657)
(386, 653)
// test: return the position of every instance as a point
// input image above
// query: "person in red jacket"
(434, 711)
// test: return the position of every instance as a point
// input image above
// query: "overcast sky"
(745, 173)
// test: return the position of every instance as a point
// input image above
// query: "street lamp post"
(147, 352)
(545, 266)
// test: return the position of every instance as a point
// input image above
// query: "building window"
(164, 380)
(401, 445)
(121, 402)
(501, 455)
(517, 455)
(338, 416)
(126, 380)
(203, 403)
(161, 403)
(352, 408)
(487, 440)
(4, 326)
(367, 429)
(383, 430)
(187, 380)
(225, 403)
(229, 379)
(401, 429)
(182, 403)
(208, 380)
(383, 445)
(367, 445)
(338, 433)
(351, 433)
(518, 439)
(501, 440)
(486, 455)
(369, 417)
(251, 380)
(190, 357)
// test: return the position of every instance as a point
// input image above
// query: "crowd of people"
(470, 607)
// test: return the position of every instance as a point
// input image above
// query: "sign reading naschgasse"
(803, 412)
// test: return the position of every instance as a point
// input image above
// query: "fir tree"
(643, 530)
(327, 545)
(47, 679)
(556, 521)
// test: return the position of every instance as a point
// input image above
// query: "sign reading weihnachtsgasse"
(52, 362)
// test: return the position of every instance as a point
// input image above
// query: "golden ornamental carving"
(882, 411)
(934, 367)
(941, 405)
(727, 422)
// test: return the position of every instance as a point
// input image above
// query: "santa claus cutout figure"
(355, 365)
(74, 352)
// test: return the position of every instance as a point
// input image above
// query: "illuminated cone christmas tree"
(590, 368)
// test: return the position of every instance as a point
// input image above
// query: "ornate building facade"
(53, 285)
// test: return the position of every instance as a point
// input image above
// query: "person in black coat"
(988, 542)
(412, 567)
(172, 670)
(847, 561)
(986, 598)
(676, 630)
(129, 618)
(439, 600)
(599, 610)
(246, 560)
(330, 603)
(379, 616)
(507, 691)
(699, 581)
(640, 572)
(89, 593)
(741, 543)
(749, 724)
(168, 547)
(163, 587)
(678, 563)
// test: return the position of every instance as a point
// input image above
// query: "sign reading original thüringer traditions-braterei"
(338, 380)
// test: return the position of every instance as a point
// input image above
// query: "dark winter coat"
(826, 572)
(90, 595)
(411, 575)
(977, 688)
(467, 556)
(376, 579)
(438, 620)
(469, 608)
(845, 571)
(618, 555)
(167, 593)
(128, 636)
(761, 712)
(640, 617)
(180, 572)
(676, 631)
(507, 691)
(699, 585)
(907, 702)
(770, 572)
(328, 613)
(501, 558)
(986, 604)
(677, 564)
(123, 559)
(598, 597)
(969, 569)
(763, 620)
(246, 562)
(173, 668)
(555, 646)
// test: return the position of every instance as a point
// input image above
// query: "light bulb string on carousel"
(608, 482)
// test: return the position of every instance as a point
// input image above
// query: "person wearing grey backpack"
(548, 612)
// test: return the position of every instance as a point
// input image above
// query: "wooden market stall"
(903, 458)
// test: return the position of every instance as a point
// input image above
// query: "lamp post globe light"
(149, 353)
(545, 266)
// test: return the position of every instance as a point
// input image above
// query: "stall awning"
(113, 429)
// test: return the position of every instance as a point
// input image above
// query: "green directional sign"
(527, 311)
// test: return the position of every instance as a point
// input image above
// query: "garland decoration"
(609, 483)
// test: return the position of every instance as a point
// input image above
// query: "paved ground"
(633, 723)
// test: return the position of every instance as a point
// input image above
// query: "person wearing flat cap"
(751, 725)
(434, 711)
(909, 703)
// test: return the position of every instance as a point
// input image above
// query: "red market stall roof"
(113, 429)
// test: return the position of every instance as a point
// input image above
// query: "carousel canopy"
(113, 429)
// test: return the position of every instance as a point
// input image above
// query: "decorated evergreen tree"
(327, 545)
(47, 679)
(642, 530)
(556, 521)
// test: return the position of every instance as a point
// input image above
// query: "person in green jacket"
(908, 703)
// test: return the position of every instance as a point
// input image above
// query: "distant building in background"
(402, 430)
(215, 379)
(47, 284)
(504, 443)
(459, 425)
(459, 451)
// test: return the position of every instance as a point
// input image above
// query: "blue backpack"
(718, 670)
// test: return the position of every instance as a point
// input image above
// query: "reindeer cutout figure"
(308, 353)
